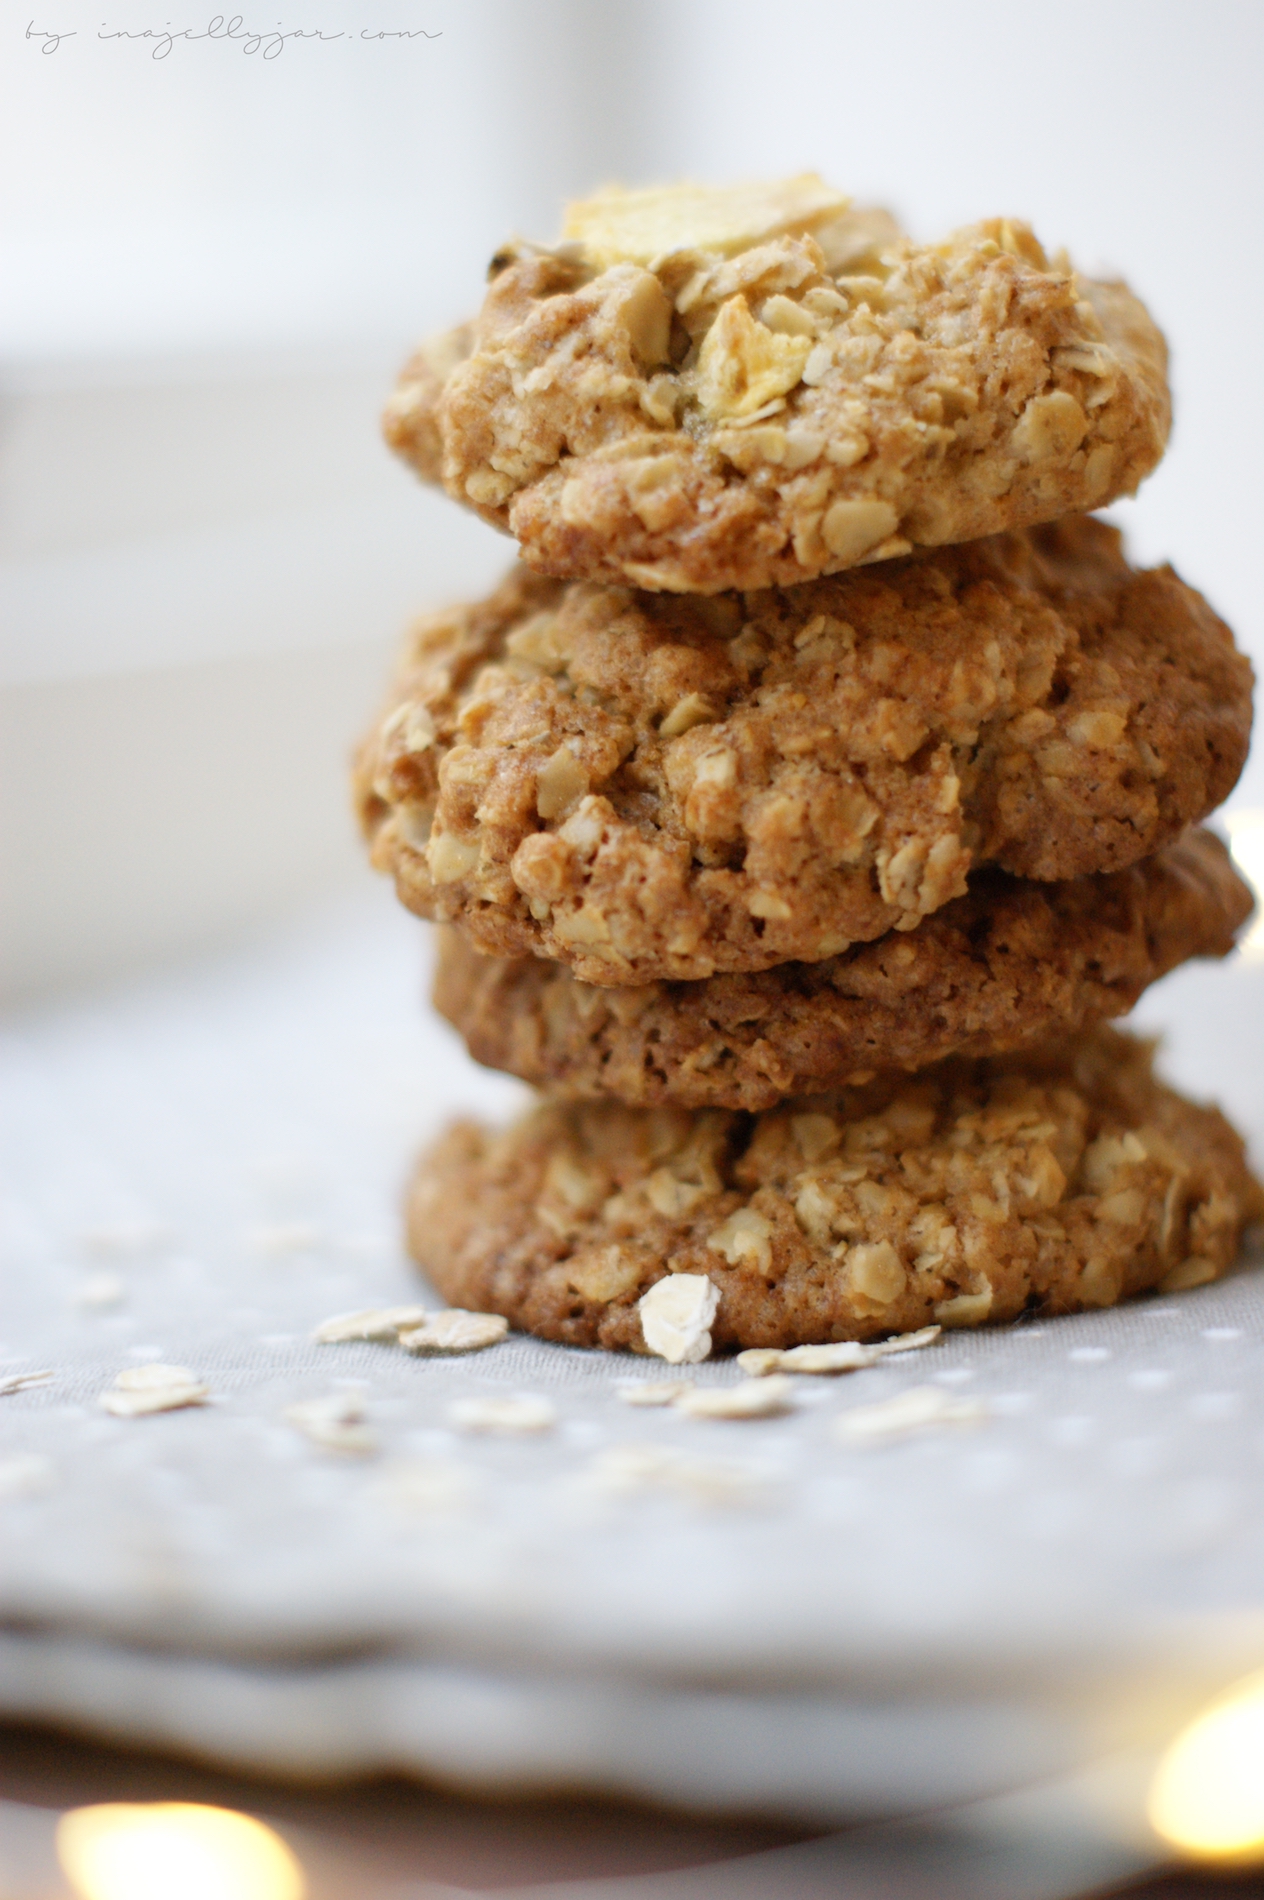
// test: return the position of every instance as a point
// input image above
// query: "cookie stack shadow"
(796, 836)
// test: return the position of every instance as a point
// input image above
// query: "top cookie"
(700, 390)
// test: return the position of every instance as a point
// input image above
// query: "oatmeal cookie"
(699, 391)
(1005, 967)
(647, 786)
(975, 1191)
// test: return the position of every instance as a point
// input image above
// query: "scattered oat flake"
(631, 1470)
(920, 1408)
(281, 1237)
(420, 1486)
(149, 1378)
(18, 1381)
(907, 1342)
(511, 1417)
(334, 1422)
(369, 1322)
(27, 1475)
(844, 1355)
(455, 1331)
(170, 1398)
(758, 1361)
(125, 1237)
(653, 1391)
(676, 1316)
(753, 1398)
(100, 1290)
(364, 1243)
(155, 1388)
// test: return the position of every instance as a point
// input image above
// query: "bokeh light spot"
(1207, 1797)
(174, 1850)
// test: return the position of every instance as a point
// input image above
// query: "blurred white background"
(214, 261)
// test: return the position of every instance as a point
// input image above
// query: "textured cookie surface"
(1005, 967)
(781, 389)
(975, 1191)
(644, 786)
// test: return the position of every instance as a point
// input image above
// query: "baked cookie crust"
(976, 1191)
(1006, 967)
(645, 786)
(784, 388)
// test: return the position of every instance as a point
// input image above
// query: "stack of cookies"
(803, 808)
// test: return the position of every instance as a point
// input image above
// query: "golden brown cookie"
(648, 786)
(976, 1191)
(701, 390)
(1005, 967)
